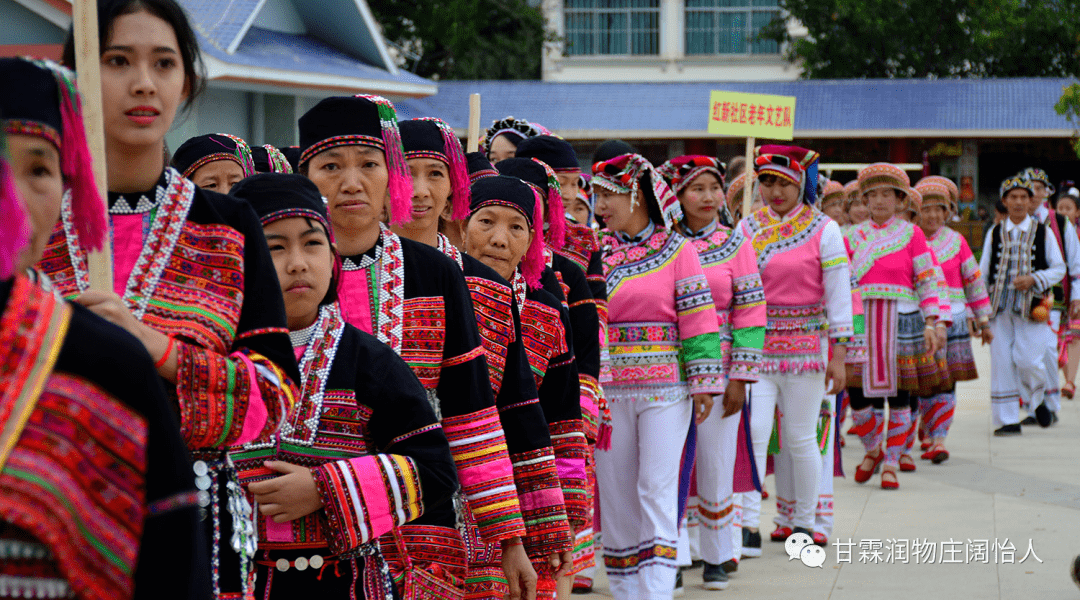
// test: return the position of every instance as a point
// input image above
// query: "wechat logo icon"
(801, 546)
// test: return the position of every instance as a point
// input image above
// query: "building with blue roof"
(982, 129)
(267, 61)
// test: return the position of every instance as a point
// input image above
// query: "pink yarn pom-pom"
(532, 264)
(88, 208)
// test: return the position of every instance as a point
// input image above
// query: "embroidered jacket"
(804, 270)
(892, 261)
(194, 265)
(585, 328)
(415, 299)
(523, 418)
(731, 269)
(549, 349)
(364, 427)
(663, 330)
(96, 485)
(963, 280)
(583, 249)
(1011, 250)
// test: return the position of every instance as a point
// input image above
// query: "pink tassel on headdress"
(556, 214)
(532, 265)
(400, 185)
(14, 226)
(459, 170)
(87, 206)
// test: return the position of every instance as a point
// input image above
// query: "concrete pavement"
(1001, 492)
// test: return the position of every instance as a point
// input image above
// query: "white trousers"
(785, 484)
(1052, 394)
(710, 514)
(1017, 366)
(798, 398)
(639, 480)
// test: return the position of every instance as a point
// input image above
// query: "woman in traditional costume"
(362, 449)
(414, 299)
(97, 496)
(900, 285)
(192, 278)
(730, 267)
(441, 192)
(965, 292)
(804, 269)
(665, 369)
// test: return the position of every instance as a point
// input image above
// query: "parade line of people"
(374, 366)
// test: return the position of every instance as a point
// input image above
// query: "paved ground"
(1020, 488)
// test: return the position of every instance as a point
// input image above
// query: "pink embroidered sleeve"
(367, 496)
(698, 328)
(978, 300)
(926, 279)
(747, 319)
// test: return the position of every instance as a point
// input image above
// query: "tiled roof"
(822, 106)
(220, 22)
(276, 50)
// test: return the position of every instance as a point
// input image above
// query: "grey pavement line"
(858, 522)
(988, 479)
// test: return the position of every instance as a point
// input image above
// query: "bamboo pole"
(88, 60)
(748, 181)
(474, 123)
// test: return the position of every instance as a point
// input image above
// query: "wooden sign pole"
(88, 60)
(748, 180)
(474, 123)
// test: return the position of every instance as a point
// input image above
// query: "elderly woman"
(900, 284)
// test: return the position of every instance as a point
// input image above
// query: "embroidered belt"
(300, 564)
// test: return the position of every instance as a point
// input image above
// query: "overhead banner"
(752, 115)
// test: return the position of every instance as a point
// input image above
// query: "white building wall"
(672, 64)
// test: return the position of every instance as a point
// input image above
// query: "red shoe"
(927, 455)
(886, 484)
(764, 493)
(862, 476)
(924, 446)
(843, 443)
(938, 454)
(908, 465)
(1068, 390)
(780, 534)
(821, 540)
(582, 585)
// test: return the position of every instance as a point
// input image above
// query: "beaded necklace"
(386, 287)
(450, 250)
(315, 364)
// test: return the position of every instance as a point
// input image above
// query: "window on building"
(596, 27)
(729, 26)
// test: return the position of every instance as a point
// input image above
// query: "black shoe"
(751, 543)
(809, 533)
(730, 566)
(1030, 420)
(1005, 430)
(1043, 415)
(694, 564)
(715, 577)
(679, 589)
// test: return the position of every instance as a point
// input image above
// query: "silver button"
(282, 565)
(200, 468)
(202, 482)
(301, 564)
(316, 562)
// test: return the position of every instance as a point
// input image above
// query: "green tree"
(466, 39)
(932, 38)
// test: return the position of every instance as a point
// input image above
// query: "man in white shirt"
(1021, 262)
